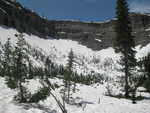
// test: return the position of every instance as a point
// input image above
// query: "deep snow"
(92, 97)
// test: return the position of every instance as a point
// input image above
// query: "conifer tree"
(20, 61)
(146, 63)
(6, 21)
(74, 81)
(68, 74)
(7, 59)
(70, 61)
(8, 64)
(124, 42)
(30, 69)
(48, 67)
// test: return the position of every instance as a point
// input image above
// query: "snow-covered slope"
(87, 61)
(91, 99)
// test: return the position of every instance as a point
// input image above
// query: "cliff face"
(13, 14)
(101, 35)
(94, 35)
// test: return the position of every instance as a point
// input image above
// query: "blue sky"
(84, 10)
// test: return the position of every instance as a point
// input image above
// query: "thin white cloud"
(139, 6)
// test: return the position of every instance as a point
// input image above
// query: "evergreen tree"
(6, 21)
(48, 67)
(68, 74)
(146, 63)
(7, 59)
(8, 64)
(124, 42)
(20, 61)
(70, 61)
(30, 69)
(74, 77)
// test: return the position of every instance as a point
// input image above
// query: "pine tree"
(7, 59)
(146, 63)
(20, 61)
(68, 74)
(8, 64)
(124, 42)
(70, 61)
(48, 67)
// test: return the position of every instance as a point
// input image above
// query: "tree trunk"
(74, 88)
(21, 92)
(68, 91)
(126, 76)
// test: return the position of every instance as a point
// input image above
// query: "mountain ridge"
(94, 35)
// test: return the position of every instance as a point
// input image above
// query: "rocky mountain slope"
(101, 35)
(13, 14)
(95, 35)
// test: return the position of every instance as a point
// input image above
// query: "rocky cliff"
(101, 35)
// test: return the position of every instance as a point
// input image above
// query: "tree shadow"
(79, 102)
(86, 102)
(147, 98)
(37, 106)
